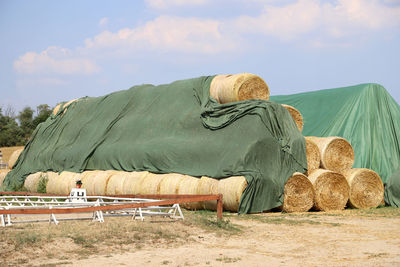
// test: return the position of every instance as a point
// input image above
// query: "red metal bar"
(219, 206)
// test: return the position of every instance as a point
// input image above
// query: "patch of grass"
(26, 238)
(41, 187)
(165, 262)
(207, 220)
(226, 259)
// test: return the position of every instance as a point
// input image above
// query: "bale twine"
(190, 186)
(52, 182)
(337, 154)
(14, 157)
(208, 186)
(331, 190)
(232, 189)
(296, 115)
(133, 182)
(298, 194)
(32, 181)
(3, 175)
(313, 155)
(115, 185)
(236, 87)
(170, 184)
(366, 188)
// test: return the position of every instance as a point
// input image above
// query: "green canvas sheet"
(172, 128)
(366, 115)
(392, 189)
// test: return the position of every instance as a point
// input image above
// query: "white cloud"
(190, 35)
(103, 22)
(163, 4)
(54, 60)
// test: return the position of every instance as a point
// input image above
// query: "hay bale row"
(237, 87)
(299, 194)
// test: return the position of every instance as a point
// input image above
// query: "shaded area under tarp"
(366, 115)
(172, 128)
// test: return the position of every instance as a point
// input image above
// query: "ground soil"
(344, 238)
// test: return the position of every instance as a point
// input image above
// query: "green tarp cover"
(366, 115)
(173, 128)
(392, 189)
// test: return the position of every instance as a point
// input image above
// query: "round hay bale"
(100, 182)
(208, 186)
(115, 184)
(87, 179)
(32, 181)
(151, 183)
(14, 157)
(236, 87)
(133, 182)
(296, 115)
(3, 175)
(189, 186)
(331, 190)
(68, 181)
(56, 109)
(232, 189)
(52, 182)
(298, 194)
(170, 184)
(366, 188)
(313, 155)
(337, 154)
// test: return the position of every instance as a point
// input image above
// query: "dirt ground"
(345, 238)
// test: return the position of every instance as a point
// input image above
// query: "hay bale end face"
(14, 157)
(313, 155)
(296, 115)
(366, 188)
(298, 194)
(232, 189)
(331, 190)
(337, 154)
(115, 184)
(237, 87)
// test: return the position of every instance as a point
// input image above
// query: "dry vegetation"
(348, 237)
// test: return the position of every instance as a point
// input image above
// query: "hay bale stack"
(3, 175)
(170, 184)
(32, 181)
(190, 186)
(296, 115)
(52, 182)
(366, 188)
(298, 194)
(337, 154)
(133, 182)
(232, 189)
(313, 155)
(242, 86)
(14, 157)
(115, 185)
(331, 190)
(208, 186)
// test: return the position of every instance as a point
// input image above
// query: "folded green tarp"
(366, 115)
(173, 128)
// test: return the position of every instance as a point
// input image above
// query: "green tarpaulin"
(366, 115)
(171, 128)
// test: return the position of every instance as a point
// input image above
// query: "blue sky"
(53, 51)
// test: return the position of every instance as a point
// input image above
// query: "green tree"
(25, 118)
(10, 133)
(43, 111)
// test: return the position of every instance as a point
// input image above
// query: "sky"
(54, 51)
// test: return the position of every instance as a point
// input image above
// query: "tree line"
(15, 130)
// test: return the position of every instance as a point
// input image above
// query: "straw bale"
(14, 157)
(337, 154)
(115, 184)
(56, 109)
(133, 182)
(100, 181)
(87, 179)
(236, 87)
(3, 175)
(52, 182)
(32, 181)
(313, 155)
(331, 190)
(296, 115)
(151, 184)
(366, 188)
(232, 189)
(190, 186)
(208, 186)
(68, 181)
(298, 194)
(170, 184)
